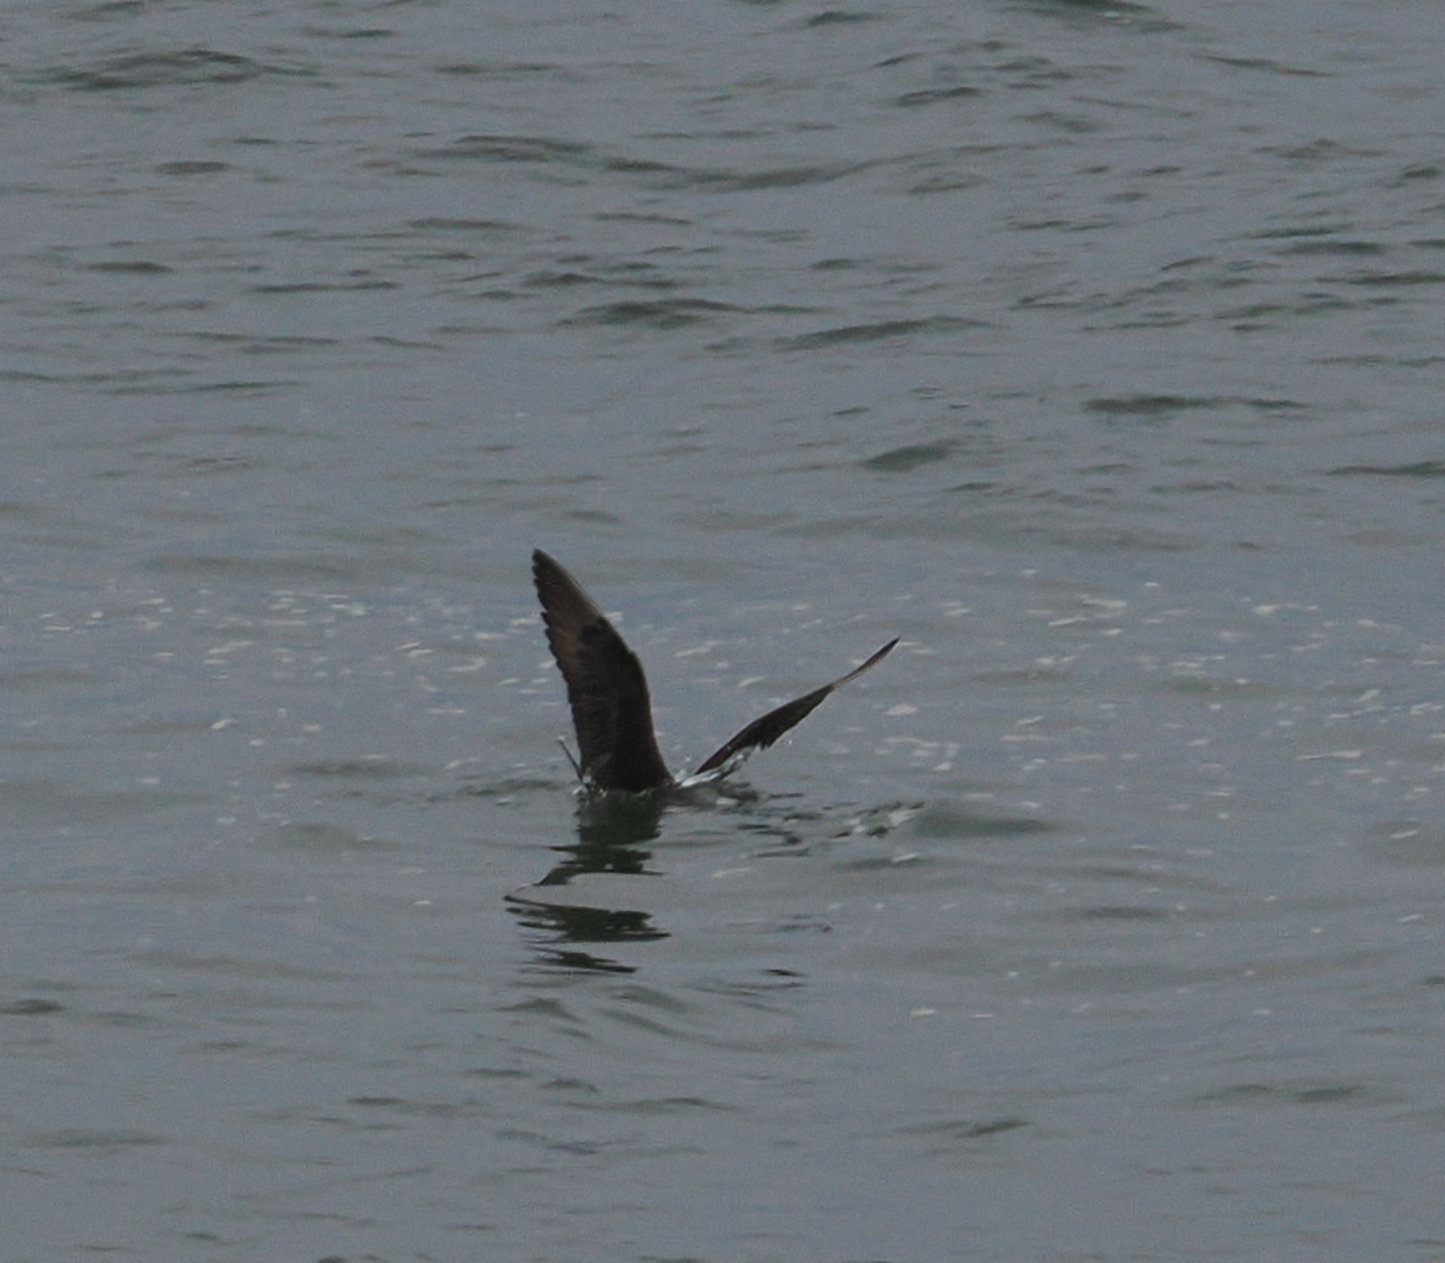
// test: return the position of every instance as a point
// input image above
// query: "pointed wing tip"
(763, 732)
(877, 657)
(556, 588)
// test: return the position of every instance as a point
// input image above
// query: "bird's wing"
(611, 710)
(761, 733)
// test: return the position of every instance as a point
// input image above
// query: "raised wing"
(761, 733)
(606, 688)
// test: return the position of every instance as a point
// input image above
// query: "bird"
(611, 707)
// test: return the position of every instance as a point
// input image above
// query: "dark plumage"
(607, 690)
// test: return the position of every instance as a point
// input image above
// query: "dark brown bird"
(611, 709)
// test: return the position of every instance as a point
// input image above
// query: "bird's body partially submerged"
(607, 691)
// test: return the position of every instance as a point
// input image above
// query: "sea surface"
(1093, 349)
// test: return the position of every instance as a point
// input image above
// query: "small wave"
(153, 70)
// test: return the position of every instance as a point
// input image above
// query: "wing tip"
(767, 729)
(557, 590)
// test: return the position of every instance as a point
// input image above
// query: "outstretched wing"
(606, 688)
(761, 733)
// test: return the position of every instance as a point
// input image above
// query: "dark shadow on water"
(615, 833)
(613, 836)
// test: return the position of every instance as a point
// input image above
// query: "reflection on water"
(580, 901)
(612, 835)
(611, 830)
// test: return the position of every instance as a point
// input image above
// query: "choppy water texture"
(1092, 349)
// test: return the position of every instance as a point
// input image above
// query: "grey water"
(1093, 349)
